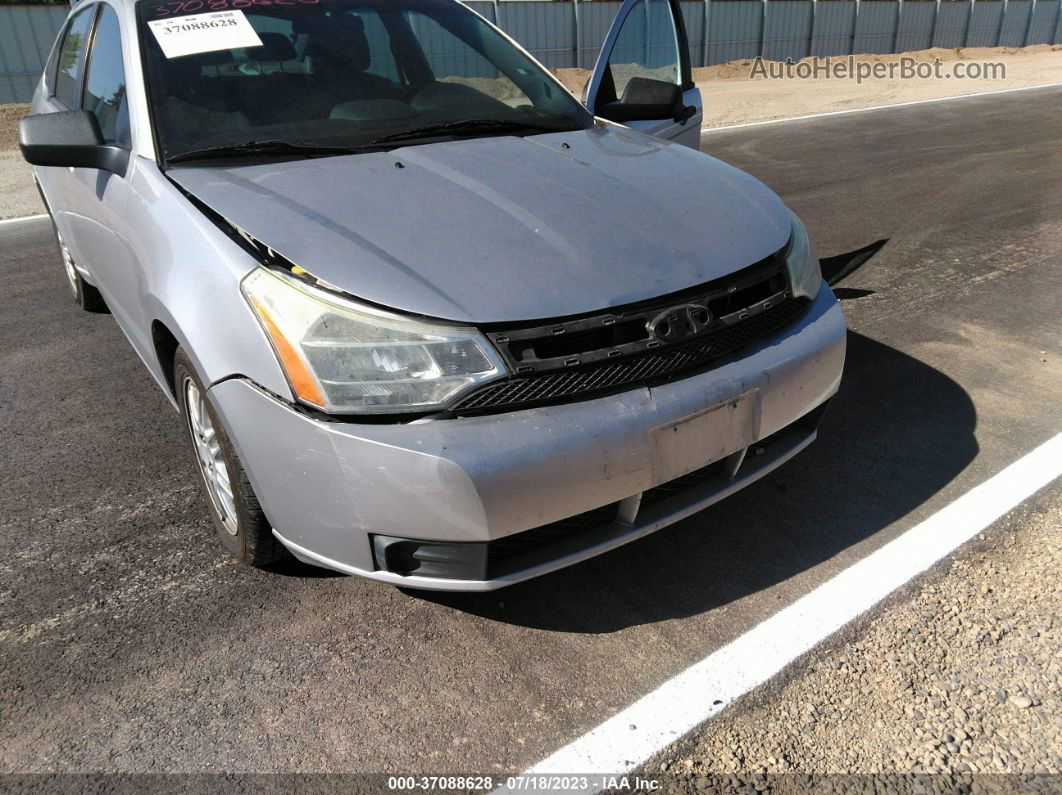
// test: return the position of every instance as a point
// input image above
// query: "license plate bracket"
(710, 435)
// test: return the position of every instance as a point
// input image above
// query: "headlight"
(345, 358)
(802, 261)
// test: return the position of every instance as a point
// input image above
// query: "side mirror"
(69, 138)
(645, 98)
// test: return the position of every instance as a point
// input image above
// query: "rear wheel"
(85, 295)
(240, 522)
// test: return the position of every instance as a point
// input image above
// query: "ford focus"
(426, 316)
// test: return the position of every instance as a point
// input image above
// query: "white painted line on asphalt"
(875, 107)
(663, 716)
(23, 218)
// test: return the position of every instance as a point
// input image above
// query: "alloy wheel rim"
(211, 461)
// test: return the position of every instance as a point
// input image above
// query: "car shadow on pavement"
(896, 433)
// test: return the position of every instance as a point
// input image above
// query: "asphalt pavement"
(953, 688)
(130, 643)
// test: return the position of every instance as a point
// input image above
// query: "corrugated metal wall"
(875, 24)
(779, 29)
(734, 30)
(564, 34)
(788, 29)
(546, 29)
(984, 24)
(1046, 24)
(26, 36)
(951, 25)
(1014, 23)
(915, 30)
(834, 24)
(594, 22)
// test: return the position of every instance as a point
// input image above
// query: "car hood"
(505, 228)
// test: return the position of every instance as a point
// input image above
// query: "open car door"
(642, 76)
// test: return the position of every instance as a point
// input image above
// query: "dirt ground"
(18, 195)
(9, 116)
(731, 97)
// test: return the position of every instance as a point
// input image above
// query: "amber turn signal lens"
(302, 382)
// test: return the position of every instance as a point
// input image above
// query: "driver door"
(642, 77)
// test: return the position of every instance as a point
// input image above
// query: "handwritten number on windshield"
(191, 6)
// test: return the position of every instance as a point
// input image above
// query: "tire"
(241, 524)
(85, 295)
(89, 298)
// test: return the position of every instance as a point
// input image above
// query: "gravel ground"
(18, 195)
(9, 118)
(959, 676)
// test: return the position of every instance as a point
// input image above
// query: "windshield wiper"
(462, 126)
(263, 148)
(305, 149)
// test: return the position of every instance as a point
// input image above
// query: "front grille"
(666, 491)
(614, 334)
(653, 366)
(510, 546)
(502, 550)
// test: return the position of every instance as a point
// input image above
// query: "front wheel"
(85, 295)
(240, 522)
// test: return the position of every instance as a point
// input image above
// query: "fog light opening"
(445, 560)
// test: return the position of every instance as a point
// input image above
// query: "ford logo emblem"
(679, 322)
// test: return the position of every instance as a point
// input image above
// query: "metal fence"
(565, 34)
(26, 36)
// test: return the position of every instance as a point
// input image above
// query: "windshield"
(237, 76)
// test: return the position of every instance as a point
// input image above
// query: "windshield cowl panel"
(316, 78)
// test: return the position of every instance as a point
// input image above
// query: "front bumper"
(328, 487)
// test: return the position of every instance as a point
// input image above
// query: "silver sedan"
(428, 318)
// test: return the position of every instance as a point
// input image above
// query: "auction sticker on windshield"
(217, 30)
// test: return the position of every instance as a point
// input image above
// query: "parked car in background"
(426, 317)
